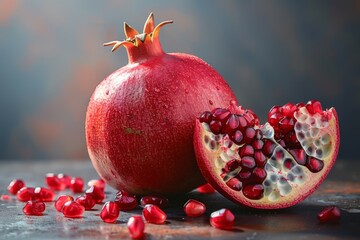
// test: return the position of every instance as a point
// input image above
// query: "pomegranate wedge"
(275, 165)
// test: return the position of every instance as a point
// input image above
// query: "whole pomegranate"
(274, 165)
(140, 119)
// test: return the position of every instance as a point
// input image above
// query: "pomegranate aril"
(247, 162)
(288, 163)
(25, 194)
(258, 134)
(231, 124)
(86, 200)
(136, 227)
(222, 219)
(65, 178)
(299, 156)
(153, 214)
(291, 140)
(73, 209)
(215, 126)
(154, 200)
(260, 158)
(125, 201)
(288, 109)
(286, 125)
(77, 184)
(43, 194)
(274, 119)
(221, 114)
(4, 197)
(257, 144)
(242, 123)
(237, 137)
(234, 184)
(54, 182)
(246, 150)
(15, 185)
(96, 193)
(110, 212)
(99, 183)
(59, 203)
(244, 175)
(194, 208)
(249, 134)
(206, 189)
(314, 165)
(258, 175)
(253, 191)
(206, 117)
(313, 107)
(34, 208)
(273, 110)
(231, 165)
(329, 214)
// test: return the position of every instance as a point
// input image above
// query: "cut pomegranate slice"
(153, 214)
(136, 227)
(15, 185)
(274, 165)
(222, 219)
(194, 208)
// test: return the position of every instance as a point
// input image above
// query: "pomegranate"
(136, 227)
(274, 165)
(140, 119)
(329, 214)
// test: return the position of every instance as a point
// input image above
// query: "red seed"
(66, 179)
(77, 184)
(258, 175)
(73, 209)
(234, 184)
(237, 137)
(110, 212)
(249, 134)
(231, 165)
(286, 125)
(86, 200)
(43, 194)
(221, 115)
(247, 162)
(4, 197)
(244, 175)
(231, 124)
(34, 208)
(275, 118)
(126, 201)
(25, 194)
(288, 163)
(222, 219)
(313, 107)
(59, 203)
(299, 156)
(153, 214)
(15, 185)
(257, 144)
(291, 140)
(315, 165)
(206, 117)
(288, 109)
(54, 182)
(268, 148)
(194, 208)
(96, 193)
(246, 150)
(136, 227)
(242, 123)
(206, 189)
(154, 200)
(253, 191)
(260, 159)
(215, 126)
(99, 183)
(329, 214)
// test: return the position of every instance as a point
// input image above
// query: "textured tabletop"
(341, 188)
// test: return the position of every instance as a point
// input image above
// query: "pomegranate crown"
(133, 38)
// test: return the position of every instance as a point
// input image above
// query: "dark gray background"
(270, 52)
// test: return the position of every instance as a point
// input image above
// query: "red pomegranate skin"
(140, 120)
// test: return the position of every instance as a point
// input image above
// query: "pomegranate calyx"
(146, 43)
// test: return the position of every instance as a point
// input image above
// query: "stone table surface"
(341, 188)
